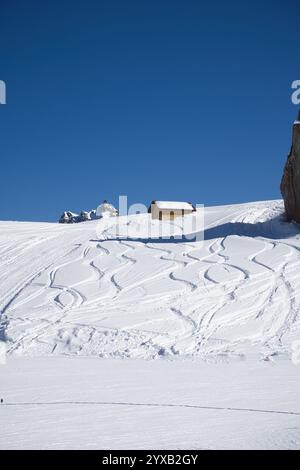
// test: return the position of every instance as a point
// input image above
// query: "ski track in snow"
(81, 290)
(155, 405)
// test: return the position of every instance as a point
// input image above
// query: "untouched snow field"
(220, 316)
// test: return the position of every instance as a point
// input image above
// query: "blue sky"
(176, 100)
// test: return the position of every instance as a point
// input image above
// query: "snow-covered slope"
(98, 289)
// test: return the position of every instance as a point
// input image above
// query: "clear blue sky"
(182, 100)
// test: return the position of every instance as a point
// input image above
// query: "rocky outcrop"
(68, 217)
(290, 183)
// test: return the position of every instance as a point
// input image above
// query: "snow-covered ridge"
(98, 289)
(103, 210)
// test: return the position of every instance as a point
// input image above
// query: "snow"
(105, 289)
(87, 307)
(89, 403)
(173, 205)
(106, 210)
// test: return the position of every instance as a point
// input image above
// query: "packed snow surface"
(105, 288)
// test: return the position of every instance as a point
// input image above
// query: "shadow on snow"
(276, 228)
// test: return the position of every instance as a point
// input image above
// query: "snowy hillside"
(86, 289)
(207, 311)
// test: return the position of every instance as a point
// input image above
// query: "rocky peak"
(290, 183)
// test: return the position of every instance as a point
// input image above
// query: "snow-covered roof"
(174, 205)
